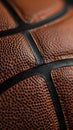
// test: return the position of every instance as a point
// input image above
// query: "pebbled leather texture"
(63, 81)
(6, 21)
(43, 100)
(16, 56)
(54, 40)
(27, 105)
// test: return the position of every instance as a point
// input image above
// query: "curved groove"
(22, 26)
(37, 54)
(56, 102)
(49, 19)
(12, 12)
(69, 2)
(43, 70)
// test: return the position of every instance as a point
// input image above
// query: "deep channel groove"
(37, 54)
(22, 26)
(45, 72)
(42, 69)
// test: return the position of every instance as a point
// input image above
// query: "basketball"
(36, 68)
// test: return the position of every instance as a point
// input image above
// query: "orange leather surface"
(62, 79)
(43, 91)
(16, 56)
(6, 21)
(54, 40)
(36, 10)
(28, 106)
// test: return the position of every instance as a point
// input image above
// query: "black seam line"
(43, 70)
(38, 56)
(22, 26)
(56, 102)
(69, 2)
(33, 46)
(12, 12)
